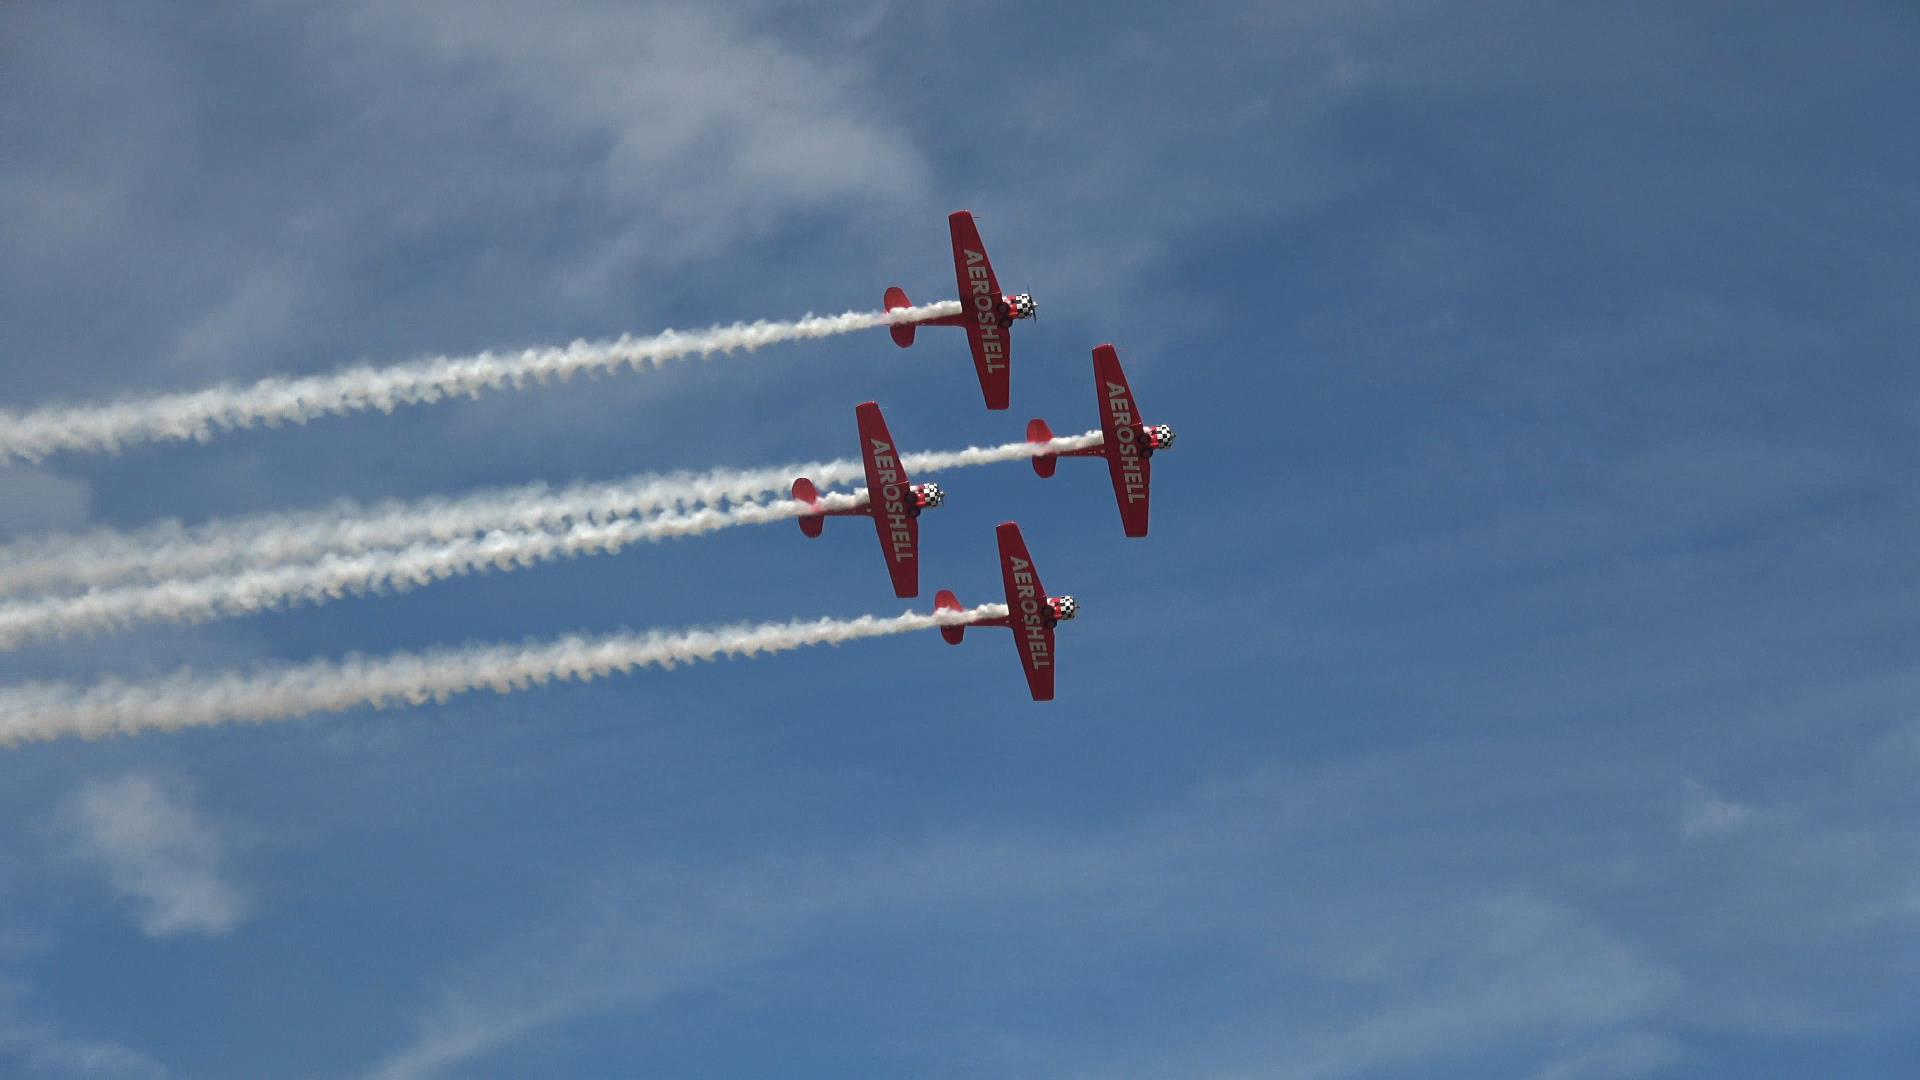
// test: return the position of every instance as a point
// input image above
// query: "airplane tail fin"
(1039, 432)
(804, 491)
(946, 601)
(902, 332)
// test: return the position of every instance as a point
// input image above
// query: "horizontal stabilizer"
(944, 600)
(805, 492)
(902, 332)
(1039, 432)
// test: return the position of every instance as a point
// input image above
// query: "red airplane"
(892, 502)
(1127, 442)
(986, 312)
(1031, 613)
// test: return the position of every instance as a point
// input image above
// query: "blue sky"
(1518, 681)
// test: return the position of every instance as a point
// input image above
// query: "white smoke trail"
(40, 712)
(201, 414)
(171, 550)
(192, 600)
(940, 460)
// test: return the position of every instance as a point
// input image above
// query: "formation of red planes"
(895, 502)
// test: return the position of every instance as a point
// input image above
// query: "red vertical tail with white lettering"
(896, 516)
(1125, 441)
(1027, 611)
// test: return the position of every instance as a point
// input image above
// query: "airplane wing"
(992, 347)
(894, 517)
(1125, 441)
(1027, 611)
(981, 302)
(970, 264)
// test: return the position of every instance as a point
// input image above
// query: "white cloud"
(37, 1049)
(1707, 814)
(687, 126)
(1446, 978)
(255, 316)
(1456, 978)
(1635, 1053)
(635, 943)
(159, 852)
(35, 500)
(1418, 915)
(590, 145)
(608, 953)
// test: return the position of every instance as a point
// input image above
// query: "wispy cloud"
(634, 943)
(704, 125)
(36, 500)
(1403, 975)
(38, 1049)
(1456, 978)
(1417, 923)
(1707, 814)
(159, 852)
(1636, 1053)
